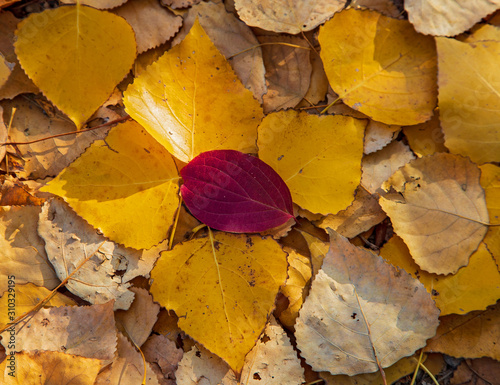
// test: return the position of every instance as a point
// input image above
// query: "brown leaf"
(361, 311)
(176, 4)
(15, 193)
(481, 371)
(87, 331)
(163, 356)
(22, 250)
(439, 210)
(152, 23)
(69, 240)
(288, 71)
(139, 319)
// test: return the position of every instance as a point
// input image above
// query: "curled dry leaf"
(52, 45)
(439, 210)
(23, 252)
(231, 191)
(472, 335)
(153, 24)
(288, 71)
(287, 16)
(129, 175)
(235, 278)
(469, 103)
(393, 83)
(69, 240)
(361, 311)
(447, 17)
(46, 367)
(234, 39)
(473, 287)
(191, 101)
(318, 157)
(87, 331)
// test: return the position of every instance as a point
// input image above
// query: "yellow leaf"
(426, 138)
(318, 249)
(26, 297)
(319, 157)
(362, 312)
(223, 289)
(191, 101)
(76, 56)
(43, 367)
(380, 66)
(473, 287)
(490, 180)
(299, 274)
(126, 186)
(438, 209)
(469, 100)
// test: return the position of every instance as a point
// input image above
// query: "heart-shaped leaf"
(231, 191)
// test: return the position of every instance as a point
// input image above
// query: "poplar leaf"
(225, 284)
(76, 55)
(126, 186)
(318, 157)
(382, 67)
(439, 210)
(191, 101)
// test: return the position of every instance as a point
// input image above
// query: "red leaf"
(231, 191)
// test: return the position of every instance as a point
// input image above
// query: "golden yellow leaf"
(439, 210)
(469, 99)
(287, 16)
(191, 101)
(299, 274)
(490, 180)
(126, 186)
(42, 367)
(447, 17)
(223, 289)
(361, 312)
(319, 157)
(473, 287)
(25, 298)
(471, 335)
(380, 66)
(76, 56)
(426, 138)
(318, 249)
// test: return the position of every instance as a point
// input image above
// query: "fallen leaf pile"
(249, 192)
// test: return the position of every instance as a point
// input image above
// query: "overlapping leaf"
(191, 101)
(439, 210)
(362, 312)
(76, 56)
(226, 282)
(382, 67)
(319, 157)
(127, 186)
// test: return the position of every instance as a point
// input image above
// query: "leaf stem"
(67, 133)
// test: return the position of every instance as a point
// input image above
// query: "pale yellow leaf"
(40, 367)
(473, 287)
(76, 55)
(380, 66)
(378, 135)
(360, 311)
(234, 39)
(223, 289)
(127, 186)
(287, 16)
(469, 97)
(319, 157)
(191, 101)
(447, 17)
(439, 210)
